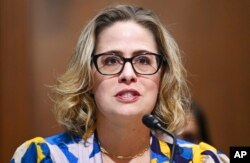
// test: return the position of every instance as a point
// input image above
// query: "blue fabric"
(30, 155)
(71, 158)
(74, 149)
(46, 153)
(96, 148)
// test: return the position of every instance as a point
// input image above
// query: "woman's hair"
(75, 107)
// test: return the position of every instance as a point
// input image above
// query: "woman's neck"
(127, 138)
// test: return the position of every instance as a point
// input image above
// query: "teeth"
(127, 95)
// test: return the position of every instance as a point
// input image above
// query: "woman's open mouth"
(127, 95)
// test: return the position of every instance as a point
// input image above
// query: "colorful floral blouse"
(64, 148)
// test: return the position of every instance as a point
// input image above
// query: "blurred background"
(38, 37)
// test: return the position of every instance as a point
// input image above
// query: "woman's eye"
(111, 60)
(142, 60)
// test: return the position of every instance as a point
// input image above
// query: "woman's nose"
(128, 74)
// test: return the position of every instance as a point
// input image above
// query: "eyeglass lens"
(142, 64)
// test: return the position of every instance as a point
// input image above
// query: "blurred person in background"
(196, 129)
(126, 65)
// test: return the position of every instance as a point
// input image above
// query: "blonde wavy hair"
(75, 107)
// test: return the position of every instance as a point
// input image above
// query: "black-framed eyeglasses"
(111, 64)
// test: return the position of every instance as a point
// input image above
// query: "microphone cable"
(153, 123)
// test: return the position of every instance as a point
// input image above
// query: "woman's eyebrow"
(116, 52)
(141, 52)
(120, 53)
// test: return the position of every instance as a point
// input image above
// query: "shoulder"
(40, 149)
(63, 138)
(34, 150)
(201, 152)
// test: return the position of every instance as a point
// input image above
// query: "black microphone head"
(153, 123)
(150, 121)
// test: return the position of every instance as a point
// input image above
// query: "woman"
(125, 65)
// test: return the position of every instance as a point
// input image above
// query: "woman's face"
(125, 95)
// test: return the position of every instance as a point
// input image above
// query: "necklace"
(124, 157)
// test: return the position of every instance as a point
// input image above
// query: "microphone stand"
(174, 140)
(153, 123)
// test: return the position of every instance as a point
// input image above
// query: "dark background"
(38, 37)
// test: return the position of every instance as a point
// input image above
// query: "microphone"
(153, 123)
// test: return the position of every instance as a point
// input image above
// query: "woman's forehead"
(127, 37)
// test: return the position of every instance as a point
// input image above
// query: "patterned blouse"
(65, 148)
